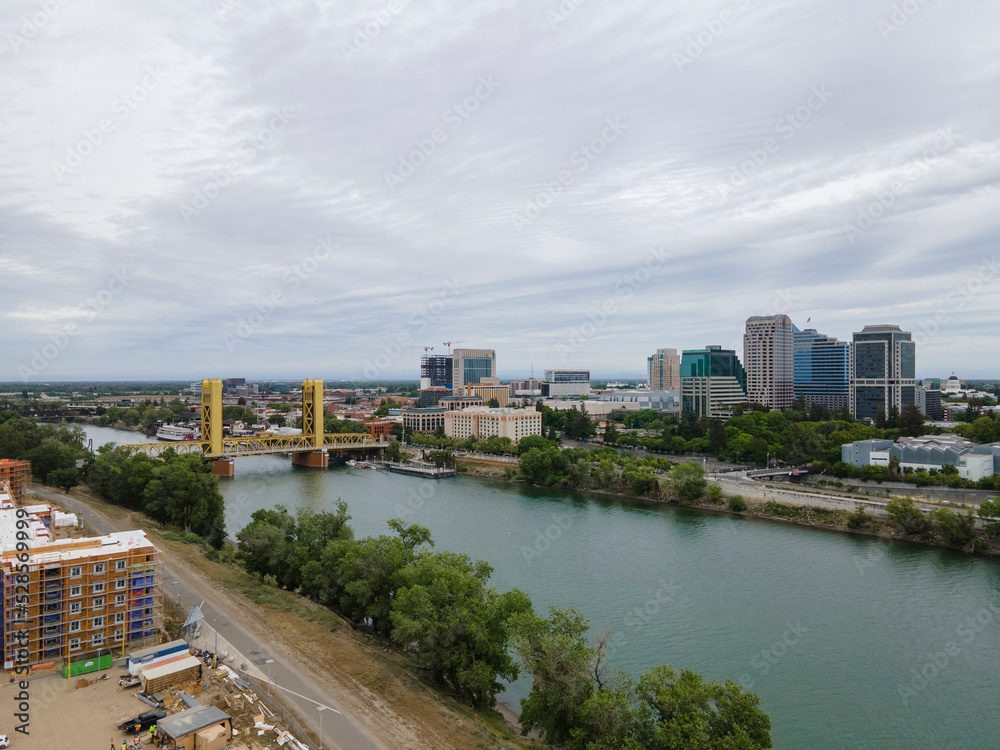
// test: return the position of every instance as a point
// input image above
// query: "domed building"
(952, 384)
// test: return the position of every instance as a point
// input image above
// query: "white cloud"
(204, 126)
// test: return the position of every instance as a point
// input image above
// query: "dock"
(418, 469)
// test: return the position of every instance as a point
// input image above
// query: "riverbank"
(378, 684)
(813, 512)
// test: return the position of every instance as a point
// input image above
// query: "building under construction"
(17, 474)
(67, 598)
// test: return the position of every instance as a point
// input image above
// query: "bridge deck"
(259, 445)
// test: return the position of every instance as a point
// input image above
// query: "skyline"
(221, 189)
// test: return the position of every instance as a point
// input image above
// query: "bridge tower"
(312, 426)
(211, 426)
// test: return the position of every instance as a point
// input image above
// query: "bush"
(737, 503)
(858, 519)
(714, 494)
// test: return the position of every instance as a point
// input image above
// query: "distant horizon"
(388, 377)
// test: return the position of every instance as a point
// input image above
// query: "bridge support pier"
(312, 459)
(224, 467)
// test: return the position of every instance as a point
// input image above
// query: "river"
(851, 643)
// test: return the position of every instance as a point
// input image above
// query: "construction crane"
(449, 343)
(425, 348)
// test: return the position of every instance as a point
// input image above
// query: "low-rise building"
(423, 420)
(928, 452)
(489, 391)
(668, 401)
(483, 422)
(454, 403)
(566, 383)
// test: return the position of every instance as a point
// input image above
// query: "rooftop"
(192, 720)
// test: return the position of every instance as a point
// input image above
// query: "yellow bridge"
(310, 448)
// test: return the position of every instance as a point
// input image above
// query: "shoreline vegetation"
(433, 608)
(942, 528)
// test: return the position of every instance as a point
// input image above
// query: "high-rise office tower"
(768, 355)
(712, 382)
(472, 366)
(663, 370)
(822, 369)
(883, 371)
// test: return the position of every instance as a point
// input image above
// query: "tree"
(493, 403)
(906, 514)
(610, 434)
(689, 713)
(880, 422)
(241, 401)
(956, 529)
(576, 425)
(803, 443)
(555, 653)
(525, 444)
(456, 625)
(911, 421)
(392, 451)
(542, 465)
(49, 456)
(66, 479)
(687, 480)
(185, 493)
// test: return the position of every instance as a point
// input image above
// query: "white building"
(483, 422)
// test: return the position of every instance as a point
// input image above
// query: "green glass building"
(713, 381)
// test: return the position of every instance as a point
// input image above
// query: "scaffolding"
(17, 474)
(76, 597)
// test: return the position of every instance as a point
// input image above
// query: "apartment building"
(16, 474)
(72, 597)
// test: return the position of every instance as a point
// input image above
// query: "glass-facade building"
(883, 371)
(472, 366)
(822, 369)
(713, 381)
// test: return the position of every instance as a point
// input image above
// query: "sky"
(227, 188)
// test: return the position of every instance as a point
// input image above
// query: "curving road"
(341, 731)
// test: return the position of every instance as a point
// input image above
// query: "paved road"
(340, 730)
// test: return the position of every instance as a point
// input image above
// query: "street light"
(177, 592)
(269, 662)
(321, 709)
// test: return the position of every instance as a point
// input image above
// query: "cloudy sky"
(216, 188)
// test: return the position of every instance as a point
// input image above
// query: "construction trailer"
(170, 672)
(68, 598)
(199, 728)
(143, 657)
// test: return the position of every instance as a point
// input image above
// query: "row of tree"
(946, 476)
(956, 529)
(177, 490)
(471, 638)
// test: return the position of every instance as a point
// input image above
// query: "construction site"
(65, 598)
